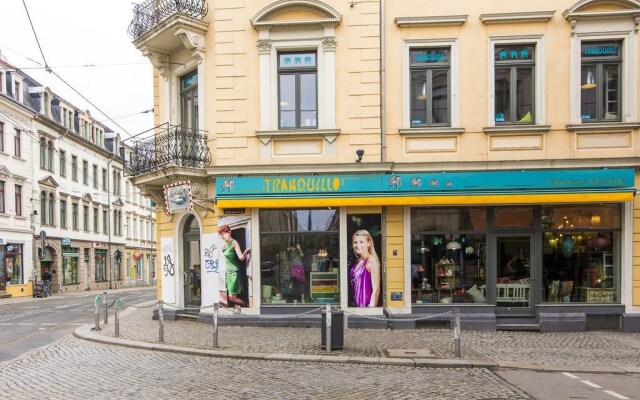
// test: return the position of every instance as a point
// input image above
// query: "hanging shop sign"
(490, 187)
(178, 197)
(138, 255)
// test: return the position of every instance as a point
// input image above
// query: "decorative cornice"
(507, 18)
(304, 24)
(48, 181)
(439, 20)
(599, 15)
(282, 6)
(517, 129)
(327, 133)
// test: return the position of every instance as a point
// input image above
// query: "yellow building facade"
(488, 153)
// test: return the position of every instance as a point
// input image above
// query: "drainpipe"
(109, 220)
(383, 116)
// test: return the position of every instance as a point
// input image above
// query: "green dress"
(232, 274)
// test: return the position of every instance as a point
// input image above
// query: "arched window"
(50, 156)
(50, 211)
(43, 208)
(46, 104)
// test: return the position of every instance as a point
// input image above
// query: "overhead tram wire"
(48, 69)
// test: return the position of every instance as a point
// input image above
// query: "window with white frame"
(63, 213)
(297, 90)
(514, 90)
(2, 207)
(74, 216)
(600, 81)
(63, 163)
(430, 87)
(18, 199)
(85, 172)
(517, 87)
(17, 91)
(17, 143)
(2, 137)
(74, 168)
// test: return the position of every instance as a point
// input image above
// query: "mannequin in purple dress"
(365, 272)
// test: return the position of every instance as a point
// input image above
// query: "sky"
(73, 33)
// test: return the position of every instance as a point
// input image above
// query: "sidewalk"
(604, 352)
(87, 293)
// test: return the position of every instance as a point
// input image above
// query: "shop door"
(514, 289)
(3, 276)
(191, 270)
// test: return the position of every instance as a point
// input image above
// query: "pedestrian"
(365, 272)
(234, 258)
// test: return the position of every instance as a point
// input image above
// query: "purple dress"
(361, 281)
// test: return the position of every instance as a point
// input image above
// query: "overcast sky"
(81, 32)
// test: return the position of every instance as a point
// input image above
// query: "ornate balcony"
(174, 147)
(149, 14)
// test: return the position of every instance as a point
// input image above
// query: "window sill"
(517, 128)
(329, 134)
(603, 126)
(439, 130)
(18, 158)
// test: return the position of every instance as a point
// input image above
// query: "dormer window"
(1, 81)
(46, 106)
(16, 91)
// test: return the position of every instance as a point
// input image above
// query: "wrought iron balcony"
(176, 146)
(151, 13)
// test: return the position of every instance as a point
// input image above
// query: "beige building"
(489, 149)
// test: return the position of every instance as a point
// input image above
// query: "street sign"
(66, 241)
(43, 236)
(40, 253)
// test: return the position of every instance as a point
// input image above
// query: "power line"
(85, 66)
(36, 36)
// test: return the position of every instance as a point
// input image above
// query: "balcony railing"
(150, 13)
(176, 146)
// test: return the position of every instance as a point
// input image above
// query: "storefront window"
(69, 265)
(13, 263)
(580, 263)
(448, 255)
(101, 265)
(299, 252)
(513, 217)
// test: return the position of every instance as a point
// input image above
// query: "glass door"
(514, 291)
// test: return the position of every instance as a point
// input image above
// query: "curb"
(86, 332)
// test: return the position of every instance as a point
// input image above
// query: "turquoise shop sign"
(410, 184)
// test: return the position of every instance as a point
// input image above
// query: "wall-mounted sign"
(66, 242)
(600, 50)
(233, 211)
(178, 197)
(430, 56)
(97, 244)
(511, 53)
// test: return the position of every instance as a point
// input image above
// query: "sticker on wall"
(177, 197)
(168, 270)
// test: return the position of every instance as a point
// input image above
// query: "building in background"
(63, 179)
(489, 150)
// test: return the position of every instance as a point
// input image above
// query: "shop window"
(69, 266)
(580, 253)
(299, 256)
(601, 80)
(513, 217)
(100, 265)
(13, 264)
(447, 266)
(297, 90)
(513, 87)
(430, 86)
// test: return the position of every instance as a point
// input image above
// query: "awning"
(462, 188)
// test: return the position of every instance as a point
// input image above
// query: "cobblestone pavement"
(77, 369)
(608, 349)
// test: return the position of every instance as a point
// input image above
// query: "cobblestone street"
(77, 369)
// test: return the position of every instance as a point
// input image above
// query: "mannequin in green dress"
(234, 258)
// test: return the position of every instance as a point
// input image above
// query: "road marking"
(49, 323)
(77, 324)
(25, 323)
(68, 305)
(572, 376)
(614, 394)
(593, 385)
(41, 329)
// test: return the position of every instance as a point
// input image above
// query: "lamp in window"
(453, 245)
(423, 94)
(595, 219)
(591, 81)
(423, 249)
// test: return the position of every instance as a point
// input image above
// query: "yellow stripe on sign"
(534, 198)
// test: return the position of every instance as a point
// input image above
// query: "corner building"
(490, 152)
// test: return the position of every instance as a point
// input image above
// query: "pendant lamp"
(453, 245)
(591, 81)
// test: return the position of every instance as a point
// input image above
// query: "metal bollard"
(97, 325)
(456, 331)
(117, 318)
(106, 315)
(161, 319)
(328, 335)
(216, 307)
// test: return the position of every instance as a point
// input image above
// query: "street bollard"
(117, 318)
(97, 326)
(216, 307)
(456, 331)
(328, 336)
(106, 315)
(161, 319)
